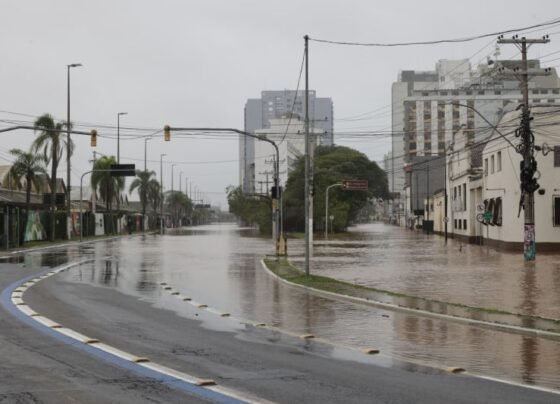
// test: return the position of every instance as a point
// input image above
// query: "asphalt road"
(265, 364)
(39, 369)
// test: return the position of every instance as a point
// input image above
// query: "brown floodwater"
(219, 265)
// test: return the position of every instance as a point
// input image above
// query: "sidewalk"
(414, 264)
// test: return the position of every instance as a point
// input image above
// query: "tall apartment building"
(259, 112)
(424, 117)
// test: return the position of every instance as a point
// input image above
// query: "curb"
(12, 300)
(394, 307)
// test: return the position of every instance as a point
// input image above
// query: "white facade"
(501, 178)
(291, 146)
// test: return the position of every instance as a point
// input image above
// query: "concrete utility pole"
(528, 165)
(307, 202)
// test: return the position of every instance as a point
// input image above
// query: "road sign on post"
(355, 185)
(123, 170)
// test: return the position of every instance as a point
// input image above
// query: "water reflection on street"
(219, 265)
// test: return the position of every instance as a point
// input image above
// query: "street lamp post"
(146, 152)
(180, 181)
(161, 190)
(119, 135)
(68, 149)
(327, 208)
(172, 167)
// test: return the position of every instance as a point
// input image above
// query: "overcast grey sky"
(195, 63)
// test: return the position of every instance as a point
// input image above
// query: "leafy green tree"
(51, 141)
(250, 209)
(108, 186)
(142, 184)
(332, 165)
(27, 166)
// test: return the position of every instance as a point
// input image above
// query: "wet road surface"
(120, 297)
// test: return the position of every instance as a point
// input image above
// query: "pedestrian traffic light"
(167, 133)
(93, 139)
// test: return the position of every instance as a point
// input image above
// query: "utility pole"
(307, 157)
(528, 165)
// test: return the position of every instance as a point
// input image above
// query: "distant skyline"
(187, 63)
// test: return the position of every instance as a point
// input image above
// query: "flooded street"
(219, 266)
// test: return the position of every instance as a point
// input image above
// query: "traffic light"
(167, 133)
(93, 139)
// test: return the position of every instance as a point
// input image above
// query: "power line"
(438, 41)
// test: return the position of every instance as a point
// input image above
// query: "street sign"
(446, 219)
(480, 207)
(355, 185)
(123, 170)
(487, 216)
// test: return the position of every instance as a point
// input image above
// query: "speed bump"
(455, 369)
(371, 351)
(202, 306)
(187, 299)
(307, 336)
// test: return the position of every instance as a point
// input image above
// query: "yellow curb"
(140, 359)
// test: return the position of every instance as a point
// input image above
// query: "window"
(464, 224)
(492, 164)
(556, 156)
(497, 92)
(556, 213)
(485, 166)
(499, 161)
(497, 213)
(464, 196)
(455, 223)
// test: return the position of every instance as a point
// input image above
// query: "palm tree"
(52, 143)
(154, 195)
(109, 187)
(142, 184)
(27, 165)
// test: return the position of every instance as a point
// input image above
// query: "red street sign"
(355, 185)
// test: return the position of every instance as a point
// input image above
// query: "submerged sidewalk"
(412, 264)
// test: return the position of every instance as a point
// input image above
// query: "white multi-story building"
(428, 107)
(484, 191)
(289, 136)
(276, 105)
(502, 193)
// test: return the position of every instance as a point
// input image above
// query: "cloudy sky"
(195, 63)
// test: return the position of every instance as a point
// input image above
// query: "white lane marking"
(139, 360)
